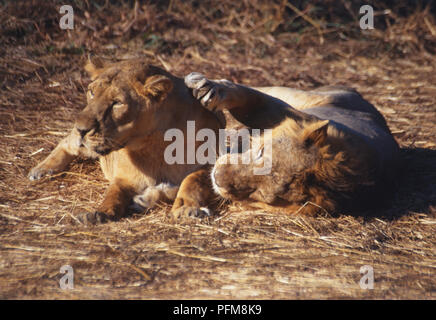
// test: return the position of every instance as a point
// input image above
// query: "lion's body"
(354, 120)
(331, 149)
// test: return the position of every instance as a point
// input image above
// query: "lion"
(130, 106)
(331, 149)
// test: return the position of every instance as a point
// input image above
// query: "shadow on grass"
(416, 191)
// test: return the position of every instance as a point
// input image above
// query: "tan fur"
(130, 106)
(297, 98)
(316, 167)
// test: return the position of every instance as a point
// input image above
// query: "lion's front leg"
(194, 196)
(216, 95)
(250, 107)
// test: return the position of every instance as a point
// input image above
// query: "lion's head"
(305, 167)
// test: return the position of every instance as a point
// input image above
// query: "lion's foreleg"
(249, 106)
(217, 95)
(194, 195)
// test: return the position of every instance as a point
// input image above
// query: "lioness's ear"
(156, 87)
(94, 66)
(315, 133)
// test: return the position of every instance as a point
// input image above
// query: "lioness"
(331, 149)
(130, 107)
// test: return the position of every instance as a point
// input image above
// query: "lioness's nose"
(82, 132)
(85, 124)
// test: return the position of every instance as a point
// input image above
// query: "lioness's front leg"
(113, 207)
(152, 195)
(195, 193)
(66, 151)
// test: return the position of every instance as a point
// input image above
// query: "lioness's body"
(130, 107)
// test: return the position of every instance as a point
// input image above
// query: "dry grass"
(238, 254)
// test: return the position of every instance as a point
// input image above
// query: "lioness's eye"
(90, 94)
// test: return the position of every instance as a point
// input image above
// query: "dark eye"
(115, 103)
(119, 109)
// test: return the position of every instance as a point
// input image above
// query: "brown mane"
(331, 183)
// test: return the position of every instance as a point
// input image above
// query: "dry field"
(237, 254)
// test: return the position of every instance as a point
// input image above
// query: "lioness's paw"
(190, 212)
(92, 218)
(152, 195)
(38, 172)
(143, 201)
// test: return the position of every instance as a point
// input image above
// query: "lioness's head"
(303, 169)
(122, 100)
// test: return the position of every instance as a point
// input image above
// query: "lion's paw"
(209, 93)
(191, 212)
